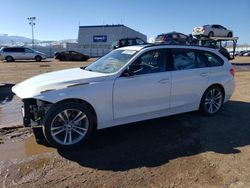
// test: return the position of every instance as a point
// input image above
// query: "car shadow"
(153, 143)
(6, 94)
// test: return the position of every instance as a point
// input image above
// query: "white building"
(96, 40)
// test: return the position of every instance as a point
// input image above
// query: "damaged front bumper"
(33, 112)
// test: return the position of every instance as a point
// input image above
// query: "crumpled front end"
(33, 112)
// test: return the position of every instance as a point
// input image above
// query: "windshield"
(111, 62)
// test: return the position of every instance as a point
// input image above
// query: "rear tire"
(211, 34)
(230, 34)
(9, 59)
(212, 101)
(62, 59)
(38, 58)
(68, 124)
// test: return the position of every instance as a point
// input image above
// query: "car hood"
(55, 81)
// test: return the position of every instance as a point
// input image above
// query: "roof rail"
(164, 44)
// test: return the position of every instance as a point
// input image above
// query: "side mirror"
(127, 73)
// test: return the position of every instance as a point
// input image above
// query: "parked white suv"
(20, 53)
(212, 31)
(127, 85)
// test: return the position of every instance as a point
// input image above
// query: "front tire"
(68, 124)
(212, 101)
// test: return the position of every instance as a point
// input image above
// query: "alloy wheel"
(213, 100)
(69, 126)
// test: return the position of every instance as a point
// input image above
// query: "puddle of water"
(32, 148)
(14, 150)
(20, 150)
(10, 113)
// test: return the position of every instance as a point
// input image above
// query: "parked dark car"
(71, 56)
(127, 42)
(174, 38)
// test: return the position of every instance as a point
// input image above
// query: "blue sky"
(59, 19)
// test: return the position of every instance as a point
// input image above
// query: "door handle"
(164, 81)
(204, 74)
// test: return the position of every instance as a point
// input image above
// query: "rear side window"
(14, 50)
(213, 60)
(183, 59)
(7, 50)
(74, 53)
(131, 42)
(20, 50)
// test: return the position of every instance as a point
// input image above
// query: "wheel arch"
(91, 108)
(38, 56)
(213, 85)
(10, 57)
(201, 107)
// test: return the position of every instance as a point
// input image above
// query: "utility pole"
(32, 23)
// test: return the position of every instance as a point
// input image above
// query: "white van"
(11, 54)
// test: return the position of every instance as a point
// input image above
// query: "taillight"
(120, 43)
(232, 72)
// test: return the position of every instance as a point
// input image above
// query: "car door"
(189, 79)
(18, 53)
(223, 31)
(74, 56)
(148, 90)
(28, 54)
(216, 30)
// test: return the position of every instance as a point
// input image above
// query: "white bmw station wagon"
(127, 85)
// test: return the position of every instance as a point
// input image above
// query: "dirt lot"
(187, 150)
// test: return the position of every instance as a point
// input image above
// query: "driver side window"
(150, 62)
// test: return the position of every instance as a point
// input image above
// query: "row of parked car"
(201, 35)
(11, 54)
(23, 53)
(242, 53)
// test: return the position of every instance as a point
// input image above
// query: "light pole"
(32, 23)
